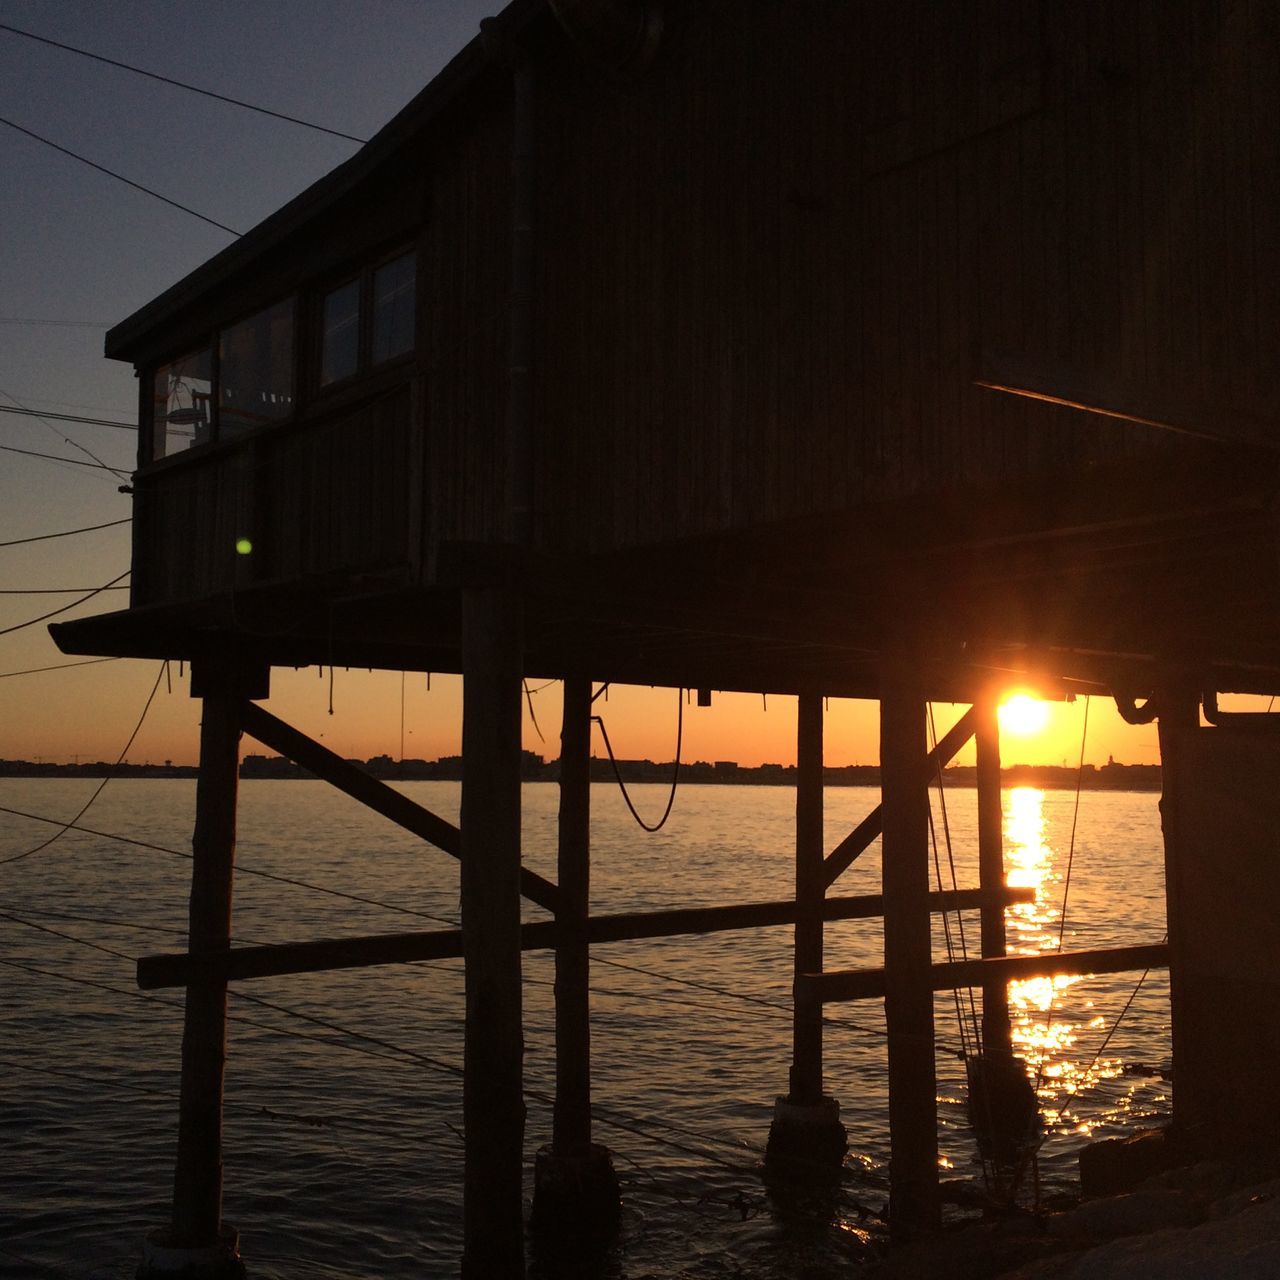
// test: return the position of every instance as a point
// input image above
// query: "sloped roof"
(460, 73)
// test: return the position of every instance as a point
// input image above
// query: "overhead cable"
(98, 790)
(182, 84)
(53, 613)
(119, 177)
(75, 462)
(54, 591)
(57, 666)
(54, 324)
(66, 533)
(43, 419)
(67, 417)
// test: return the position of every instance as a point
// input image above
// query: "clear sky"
(82, 250)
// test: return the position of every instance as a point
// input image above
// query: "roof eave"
(124, 340)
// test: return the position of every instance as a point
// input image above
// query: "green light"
(243, 546)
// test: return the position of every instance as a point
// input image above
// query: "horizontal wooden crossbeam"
(159, 971)
(859, 840)
(869, 984)
(376, 795)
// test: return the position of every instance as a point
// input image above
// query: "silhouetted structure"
(896, 351)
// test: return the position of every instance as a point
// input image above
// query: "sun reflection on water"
(1047, 1025)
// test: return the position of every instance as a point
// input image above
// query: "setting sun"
(1023, 715)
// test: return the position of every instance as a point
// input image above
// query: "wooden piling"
(571, 1131)
(493, 1101)
(806, 1059)
(197, 1183)
(997, 1031)
(913, 1121)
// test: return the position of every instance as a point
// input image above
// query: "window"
(393, 298)
(369, 320)
(255, 371)
(182, 404)
(340, 336)
(241, 380)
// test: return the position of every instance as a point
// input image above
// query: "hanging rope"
(675, 773)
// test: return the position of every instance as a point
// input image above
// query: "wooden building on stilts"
(891, 351)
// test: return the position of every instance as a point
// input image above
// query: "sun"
(1022, 715)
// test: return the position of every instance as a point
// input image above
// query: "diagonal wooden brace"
(376, 795)
(859, 840)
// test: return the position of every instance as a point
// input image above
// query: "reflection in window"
(340, 340)
(393, 295)
(182, 404)
(255, 371)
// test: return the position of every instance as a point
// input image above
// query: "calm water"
(343, 1155)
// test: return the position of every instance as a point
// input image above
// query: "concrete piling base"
(806, 1138)
(576, 1196)
(164, 1260)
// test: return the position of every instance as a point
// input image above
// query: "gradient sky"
(80, 247)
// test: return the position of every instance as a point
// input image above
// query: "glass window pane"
(255, 371)
(340, 341)
(181, 404)
(393, 293)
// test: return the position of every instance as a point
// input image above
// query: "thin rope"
(66, 826)
(675, 773)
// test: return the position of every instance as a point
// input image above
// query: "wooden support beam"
(493, 1083)
(375, 794)
(571, 1124)
(364, 951)
(997, 1030)
(860, 839)
(197, 1182)
(908, 999)
(870, 984)
(806, 1056)
(1179, 717)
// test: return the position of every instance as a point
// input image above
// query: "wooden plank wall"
(314, 499)
(467, 269)
(771, 265)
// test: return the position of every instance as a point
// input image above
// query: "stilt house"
(819, 347)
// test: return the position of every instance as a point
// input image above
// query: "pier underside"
(1140, 585)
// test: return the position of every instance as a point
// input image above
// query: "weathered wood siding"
(324, 497)
(774, 266)
(466, 308)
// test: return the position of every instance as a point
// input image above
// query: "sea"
(343, 1154)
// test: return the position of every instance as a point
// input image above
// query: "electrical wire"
(182, 84)
(119, 177)
(118, 472)
(66, 533)
(56, 591)
(55, 324)
(66, 608)
(43, 419)
(57, 666)
(66, 417)
(66, 826)
(241, 869)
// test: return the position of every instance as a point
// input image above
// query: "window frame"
(212, 340)
(365, 365)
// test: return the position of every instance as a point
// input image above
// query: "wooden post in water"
(571, 1135)
(493, 1098)
(197, 1239)
(1179, 715)
(913, 1120)
(575, 1187)
(806, 1061)
(806, 1132)
(997, 1033)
